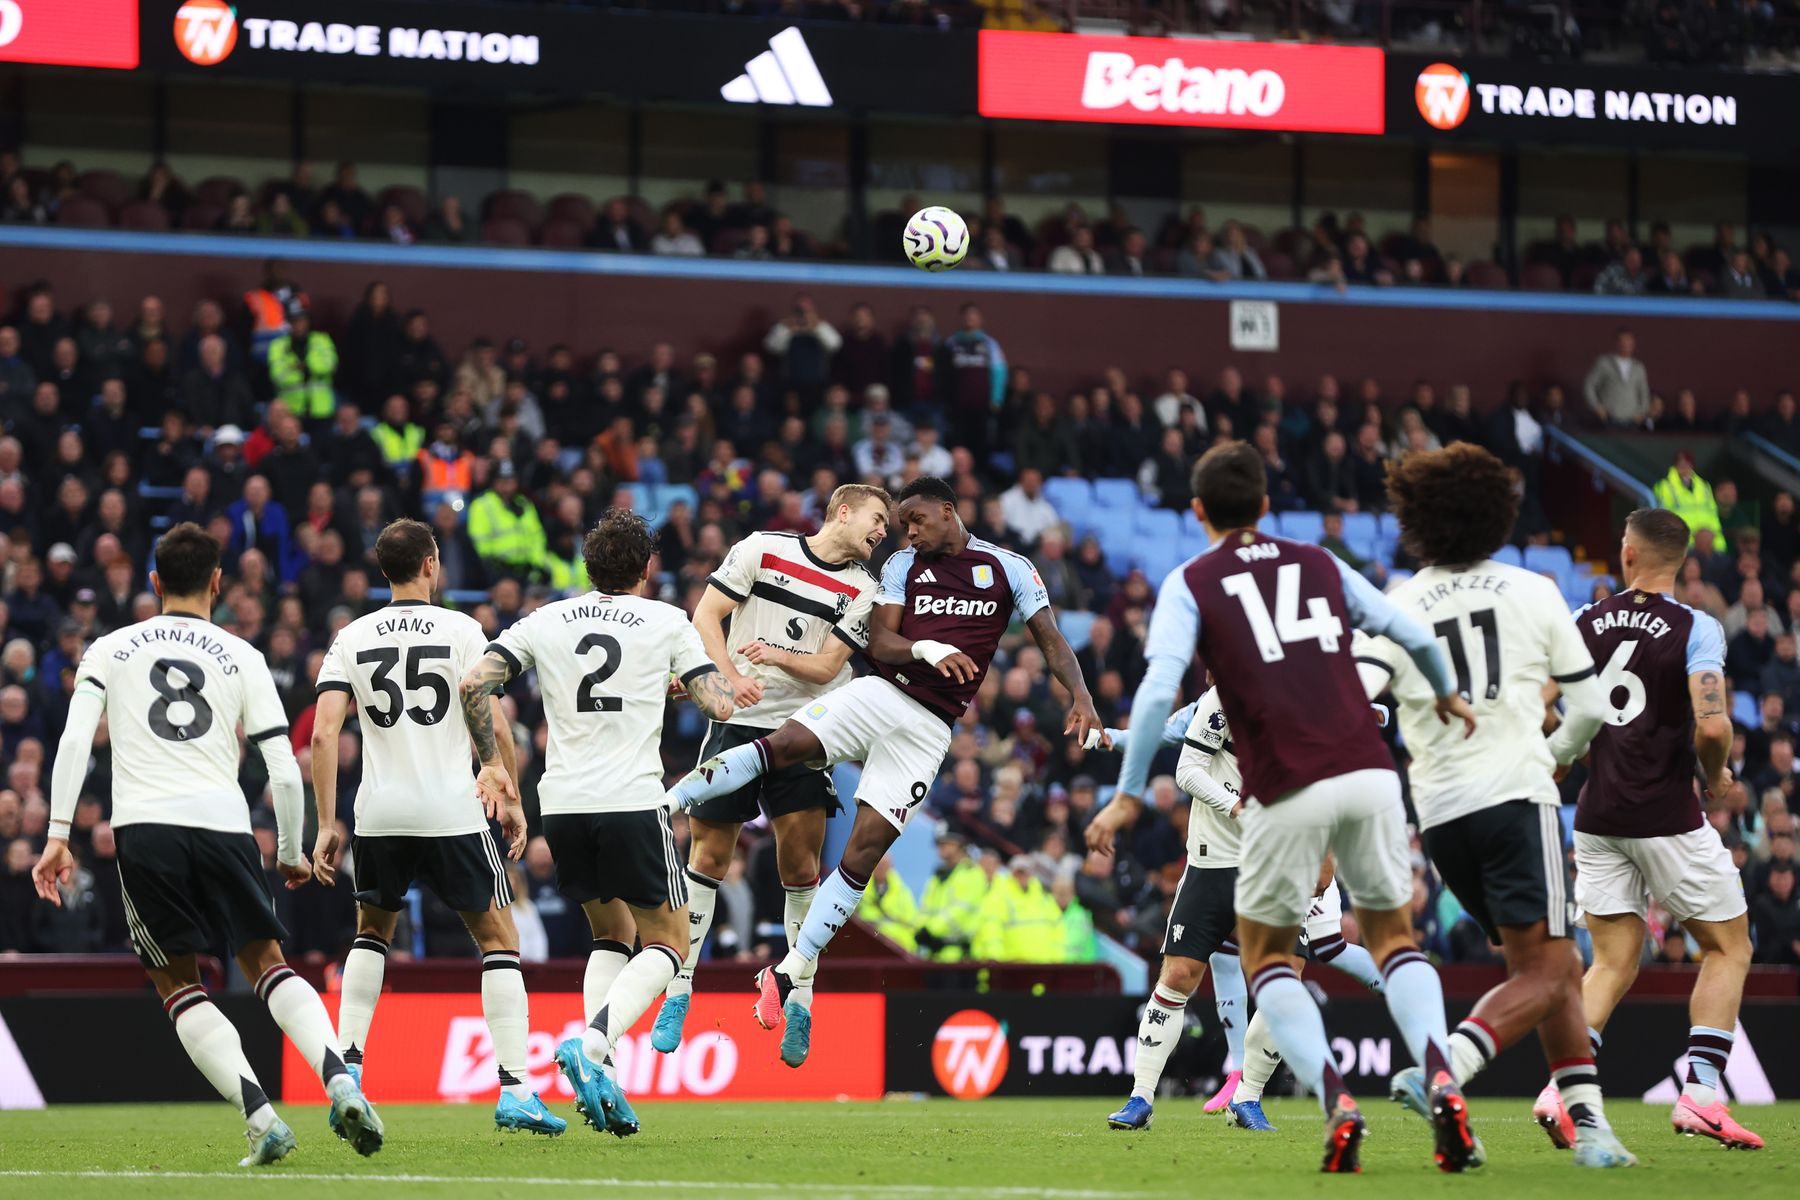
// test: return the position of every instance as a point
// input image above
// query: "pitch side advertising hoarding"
(1499, 100)
(1280, 87)
(427, 1047)
(97, 33)
(532, 48)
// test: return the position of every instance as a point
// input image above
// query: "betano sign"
(428, 1047)
(97, 33)
(1171, 81)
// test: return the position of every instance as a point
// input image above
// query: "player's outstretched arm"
(328, 723)
(73, 753)
(712, 694)
(1712, 729)
(510, 813)
(1049, 638)
(487, 676)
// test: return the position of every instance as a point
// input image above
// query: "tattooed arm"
(1061, 661)
(485, 678)
(712, 694)
(1712, 729)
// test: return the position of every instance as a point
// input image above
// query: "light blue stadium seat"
(457, 500)
(1116, 493)
(1369, 548)
(1361, 526)
(1510, 556)
(1077, 627)
(1302, 526)
(1549, 560)
(1156, 557)
(1068, 495)
(1745, 710)
(1268, 526)
(668, 495)
(1159, 523)
(569, 458)
(1388, 524)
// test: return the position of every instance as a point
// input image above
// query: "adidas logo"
(785, 73)
(925, 577)
(783, 580)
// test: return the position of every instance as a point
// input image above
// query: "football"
(936, 239)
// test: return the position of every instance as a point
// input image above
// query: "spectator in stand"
(1751, 598)
(1027, 511)
(972, 376)
(239, 215)
(214, 395)
(878, 456)
(393, 227)
(331, 222)
(259, 523)
(1617, 387)
(1781, 278)
(1196, 258)
(755, 246)
(480, 376)
(1775, 916)
(1330, 476)
(345, 192)
(996, 254)
(1750, 651)
(1046, 441)
(19, 207)
(615, 229)
(303, 367)
(372, 346)
(1078, 256)
(1671, 277)
(1234, 257)
(447, 224)
(504, 526)
(804, 342)
(675, 237)
(1362, 265)
(1739, 280)
(1164, 477)
(17, 379)
(862, 360)
(1131, 256)
(1782, 675)
(1624, 276)
(1690, 497)
(279, 219)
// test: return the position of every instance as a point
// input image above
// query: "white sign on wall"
(1255, 325)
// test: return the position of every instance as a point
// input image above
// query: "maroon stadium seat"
(1541, 277)
(506, 231)
(217, 190)
(515, 205)
(411, 201)
(563, 233)
(108, 187)
(83, 211)
(726, 242)
(1279, 265)
(144, 214)
(1484, 274)
(1258, 240)
(199, 216)
(1581, 279)
(570, 206)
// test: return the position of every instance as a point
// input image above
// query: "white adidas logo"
(785, 73)
(925, 577)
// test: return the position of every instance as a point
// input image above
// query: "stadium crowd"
(295, 445)
(1337, 252)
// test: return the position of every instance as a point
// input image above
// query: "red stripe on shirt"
(774, 562)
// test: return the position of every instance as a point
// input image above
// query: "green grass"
(892, 1150)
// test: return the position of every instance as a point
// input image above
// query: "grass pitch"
(890, 1150)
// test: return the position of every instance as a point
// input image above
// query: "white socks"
(636, 988)
(1230, 1001)
(1158, 1030)
(703, 899)
(605, 961)
(793, 915)
(1260, 1060)
(504, 1005)
(212, 1042)
(358, 992)
(301, 1015)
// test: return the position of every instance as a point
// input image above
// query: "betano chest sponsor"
(429, 1047)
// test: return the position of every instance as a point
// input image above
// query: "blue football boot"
(352, 1117)
(271, 1145)
(1249, 1115)
(529, 1114)
(796, 1038)
(665, 1036)
(586, 1079)
(1136, 1114)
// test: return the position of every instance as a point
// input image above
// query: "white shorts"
(1358, 817)
(1325, 918)
(899, 742)
(1690, 874)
